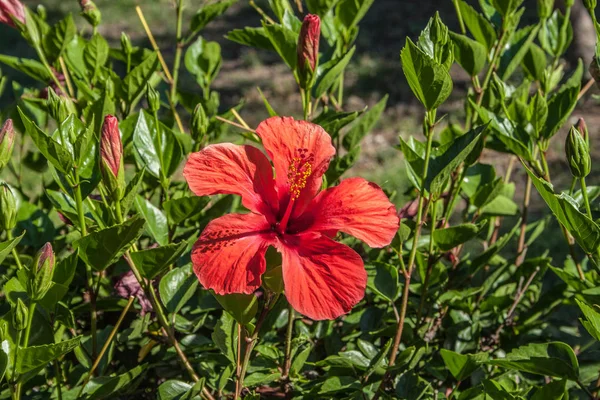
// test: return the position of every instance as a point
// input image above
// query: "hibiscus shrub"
(154, 245)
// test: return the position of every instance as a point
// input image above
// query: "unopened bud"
(20, 315)
(126, 44)
(438, 31)
(569, 3)
(59, 107)
(8, 208)
(41, 272)
(153, 98)
(90, 12)
(41, 11)
(199, 123)
(545, 8)
(11, 10)
(590, 5)
(307, 49)
(7, 142)
(111, 153)
(578, 154)
(582, 127)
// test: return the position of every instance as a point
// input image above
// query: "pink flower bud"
(581, 127)
(45, 258)
(10, 9)
(7, 142)
(308, 42)
(111, 148)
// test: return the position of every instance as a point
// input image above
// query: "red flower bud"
(45, 258)
(308, 42)
(111, 148)
(10, 9)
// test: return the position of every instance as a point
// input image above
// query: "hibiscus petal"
(356, 207)
(323, 279)
(296, 147)
(229, 256)
(232, 169)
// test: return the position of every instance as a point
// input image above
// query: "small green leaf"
(108, 386)
(203, 60)
(481, 29)
(177, 287)
(430, 82)
(134, 84)
(555, 359)
(592, 321)
(534, 62)
(225, 336)
(157, 224)
(517, 48)
(33, 68)
(329, 72)
(562, 103)
(253, 37)
(185, 208)
(448, 238)
(470, 54)
(6, 247)
(385, 281)
(153, 262)
(461, 366)
(207, 13)
(59, 37)
(554, 390)
(33, 357)
(284, 42)
(242, 307)
(95, 54)
(363, 124)
(103, 248)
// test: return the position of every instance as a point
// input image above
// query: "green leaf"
(461, 366)
(33, 68)
(203, 60)
(470, 54)
(207, 13)
(157, 155)
(556, 34)
(6, 247)
(136, 81)
(448, 238)
(177, 287)
(555, 359)
(59, 37)
(385, 281)
(534, 62)
(517, 48)
(225, 336)
(103, 248)
(299, 361)
(481, 29)
(364, 124)
(56, 153)
(449, 157)
(33, 357)
(131, 191)
(157, 224)
(261, 378)
(350, 12)
(95, 54)
(585, 231)
(3, 360)
(253, 37)
(328, 73)
(562, 103)
(153, 262)
(242, 307)
(487, 193)
(184, 208)
(554, 390)
(430, 82)
(284, 42)
(592, 321)
(105, 386)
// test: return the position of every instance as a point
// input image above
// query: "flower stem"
(521, 249)
(288, 343)
(106, 345)
(15, 254)
(58, 374)
(586, 199)
(178, 51)
(238, 366)
(31, 311)
(430, 261)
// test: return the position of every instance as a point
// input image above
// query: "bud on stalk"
(582, 127)
(590, 5)
(8, 208)
(59, 107)
(126, 44)
(153, 98)
(20, 315)
(111, 153)
(199, 123)
(90, 12)
(578, 154)
(41, 273)
(545, 8)
(308, 48)
(11, 10)
(7, 142)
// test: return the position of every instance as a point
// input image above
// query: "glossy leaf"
(470, 54)
(448, 238)
(33, 357)
(156, 221)
(242, 307)
(177, 287)
(153, 262)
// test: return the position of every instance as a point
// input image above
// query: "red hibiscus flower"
(323, 279)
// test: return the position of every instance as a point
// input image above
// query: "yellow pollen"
(298, 173)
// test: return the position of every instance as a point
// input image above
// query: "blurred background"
(374, 72)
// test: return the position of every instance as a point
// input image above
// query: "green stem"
(106, 345)
(288, 343)
(16, 389)
(545, 166)
(178, 51)
(10, 237)
(31, 311)
(430, 261)
(340, 96)
(461, 23)
(429, 124)
(58, 379)
(586, 199)
(44, 61)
